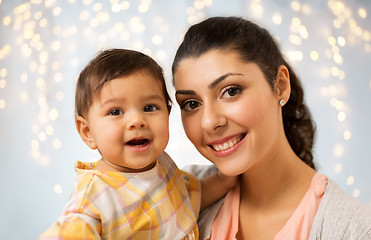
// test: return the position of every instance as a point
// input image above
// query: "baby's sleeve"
(73, 226)
(193, 186)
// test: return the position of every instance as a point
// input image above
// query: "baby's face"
(129, 121)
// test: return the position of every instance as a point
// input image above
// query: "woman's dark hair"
(254, 44)
(111, 64)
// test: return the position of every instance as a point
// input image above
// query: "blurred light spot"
(58, 77)
(338, 151)
(295, 5)
(119, 27)
(332, 41)
(190, 11)
(57, 144)
(35, 144)
(356, 193)
(43, 57)
(338, 167)
(336, 23)
(295, 55)
(198, 4)
(97, 7)
(306, 9)
(350, 180)
(138, 45)
(125, 35)
(294, 39)
(161, 55)
(55, 66)
(256, 9)
(362, 13)
(157, 39)
(2, 104)
(4, 51)
(37, 15)
(341, 41)
(6, 20)
(339, 105)
(84, 15)
(57, 11)
(341, 116)
(35, 128)
(74, 62)
(208, 2)
(125, 5)
(24, 96)
(43, 22)
(277, 18)
(2, 83)
(338, 58)
(40, 82)
(303, 32)
(314, 55)
(334, 71)
(58, 189)
(49, 130)
(347, 135)
(143, 8)
(87, 2)
(341, 75)
(59, 96)
(324, 91)
(56, 45)
(115, 8)
(159, 19)
(53, 114)
(42, 136)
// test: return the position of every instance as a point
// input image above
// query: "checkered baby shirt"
(162, 203)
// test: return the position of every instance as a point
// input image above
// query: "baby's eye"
(116, 112)
(231, 91)
(150, 108)
(190, 105)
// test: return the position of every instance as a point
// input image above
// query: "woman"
(242, 107)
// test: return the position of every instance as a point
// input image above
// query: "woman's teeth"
(230, 143)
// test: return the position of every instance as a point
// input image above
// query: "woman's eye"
(150, 108)
(116, 112)
(190, 105)
(232, 91)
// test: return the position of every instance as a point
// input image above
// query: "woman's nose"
(136, 120)
(212, 118)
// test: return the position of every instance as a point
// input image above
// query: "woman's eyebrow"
(185, 92)
(221, 78)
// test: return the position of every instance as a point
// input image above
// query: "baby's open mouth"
(138, 142)
(228, 144)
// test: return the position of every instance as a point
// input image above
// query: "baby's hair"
(112, 64)
(254, 44)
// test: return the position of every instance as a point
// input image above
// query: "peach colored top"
(225, 225)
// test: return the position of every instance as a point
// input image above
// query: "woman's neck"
(282, 177)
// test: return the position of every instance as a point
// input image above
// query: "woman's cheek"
(191, 126)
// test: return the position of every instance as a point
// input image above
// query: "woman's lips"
(226, 146)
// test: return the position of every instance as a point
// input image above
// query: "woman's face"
(229, 111)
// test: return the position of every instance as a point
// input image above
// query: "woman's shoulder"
(340, 216)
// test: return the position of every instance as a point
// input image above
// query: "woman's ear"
(83, 129)
(282, 83)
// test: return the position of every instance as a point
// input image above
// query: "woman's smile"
(226, 146)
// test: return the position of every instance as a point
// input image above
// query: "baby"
(135, 190)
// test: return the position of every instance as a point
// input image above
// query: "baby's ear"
(282, 83)
(83, 128)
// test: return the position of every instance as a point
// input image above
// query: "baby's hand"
(228, 181)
